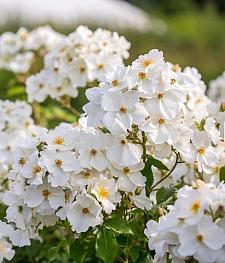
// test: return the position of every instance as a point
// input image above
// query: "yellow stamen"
(58, 163)
(199, 238)
(115, 83)
(36, 170)
(103, 193)
(160, 96)
(195, 207)
(82, 70)
(201, 150)
(142, 75)
(161, 121)
(93, 152)
(101, 66)
(85, 210)
(147, 62)
(123, 110)
(126, 170)
(22, 161)
(45, 193)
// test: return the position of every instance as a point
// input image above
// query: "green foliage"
(164, 194)
(222, 174)
(77, 251)
(106, 245)
(118, 225)
(157, 163)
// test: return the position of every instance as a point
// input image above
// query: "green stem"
(144, 140)
(36, 112)
(168, 174)
(66, 103)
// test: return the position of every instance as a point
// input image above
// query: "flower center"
(58, 163)
(22, 161)
(115, 82)
(126, 170)
(93, 152)
(123, 142)
(147, 62)
(101, 66)
(161, 121)
(45, 193)
(36, 170)
(142, 75)
(103, 193)
(82, 70)
(173, 81)
(86, 174)
(58, 140)
(199, 238)
(85, 210)
(123, 110)
(160, 96)
(201, 150)
(195, 207)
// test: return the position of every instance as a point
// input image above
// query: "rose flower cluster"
(82, 57)
(147, 129)
(18, 51)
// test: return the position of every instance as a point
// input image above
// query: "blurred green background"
(194, 35)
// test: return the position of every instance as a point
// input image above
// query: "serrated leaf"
(157, 163)
(119, 225)
(222, 174)
(77, 251)
(106, 245)
(163, 194)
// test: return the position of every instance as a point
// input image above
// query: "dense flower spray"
(148, 151)
(80, 58)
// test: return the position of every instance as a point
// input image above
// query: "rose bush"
(137, 177)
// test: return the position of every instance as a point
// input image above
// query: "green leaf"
(222, 174)
(106, 245)
(163, 194)
(52, 253)
(119, 225)
(147, 172)
(134, 253)
(77, 251)
(16, 91)
(157, 163)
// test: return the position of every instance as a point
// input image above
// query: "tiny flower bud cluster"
(82, 57)
(193, 228)
(18, 50)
